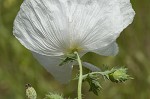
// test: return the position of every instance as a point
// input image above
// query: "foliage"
(94, 83)
(68, 58)
(117, 75)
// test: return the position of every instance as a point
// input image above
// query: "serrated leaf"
(68, 58)
(94, 83)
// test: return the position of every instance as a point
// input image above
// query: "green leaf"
(68, 58)
(92, 80)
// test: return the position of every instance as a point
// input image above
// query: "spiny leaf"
(94, 83)
(68, 58)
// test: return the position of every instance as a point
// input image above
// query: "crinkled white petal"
(127, 12)
(110, 50)
(50, 27)
(95, 24)
(42, 27)
(51, 64)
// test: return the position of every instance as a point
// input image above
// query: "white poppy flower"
(52, 28)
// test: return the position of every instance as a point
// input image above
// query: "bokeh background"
(18, 67)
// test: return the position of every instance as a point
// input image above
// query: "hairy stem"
(100, 73)
(80, 76)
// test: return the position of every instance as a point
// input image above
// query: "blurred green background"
(18, 67)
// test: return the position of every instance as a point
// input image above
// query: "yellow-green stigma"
(74, 48)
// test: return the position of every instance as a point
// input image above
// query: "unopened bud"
(119, 75)
(54, 96)
(30, 92)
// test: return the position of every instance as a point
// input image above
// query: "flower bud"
(30, 92)
(54, 96)
(119, 75)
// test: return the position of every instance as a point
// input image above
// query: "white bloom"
(52, 28)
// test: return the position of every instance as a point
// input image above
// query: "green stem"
(100, 73)
(80, 76)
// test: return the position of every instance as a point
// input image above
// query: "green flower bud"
(119, 75)
(53, 96)
(30, 92)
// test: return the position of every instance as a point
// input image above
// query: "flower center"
(74, 48)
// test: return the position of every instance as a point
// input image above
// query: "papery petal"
(41, 26)
(49, 27)
(97, 23)
(110, 50)
(51, 64)
(126, 11)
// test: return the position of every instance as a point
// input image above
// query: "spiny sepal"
(118, 75)
(53, 96)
